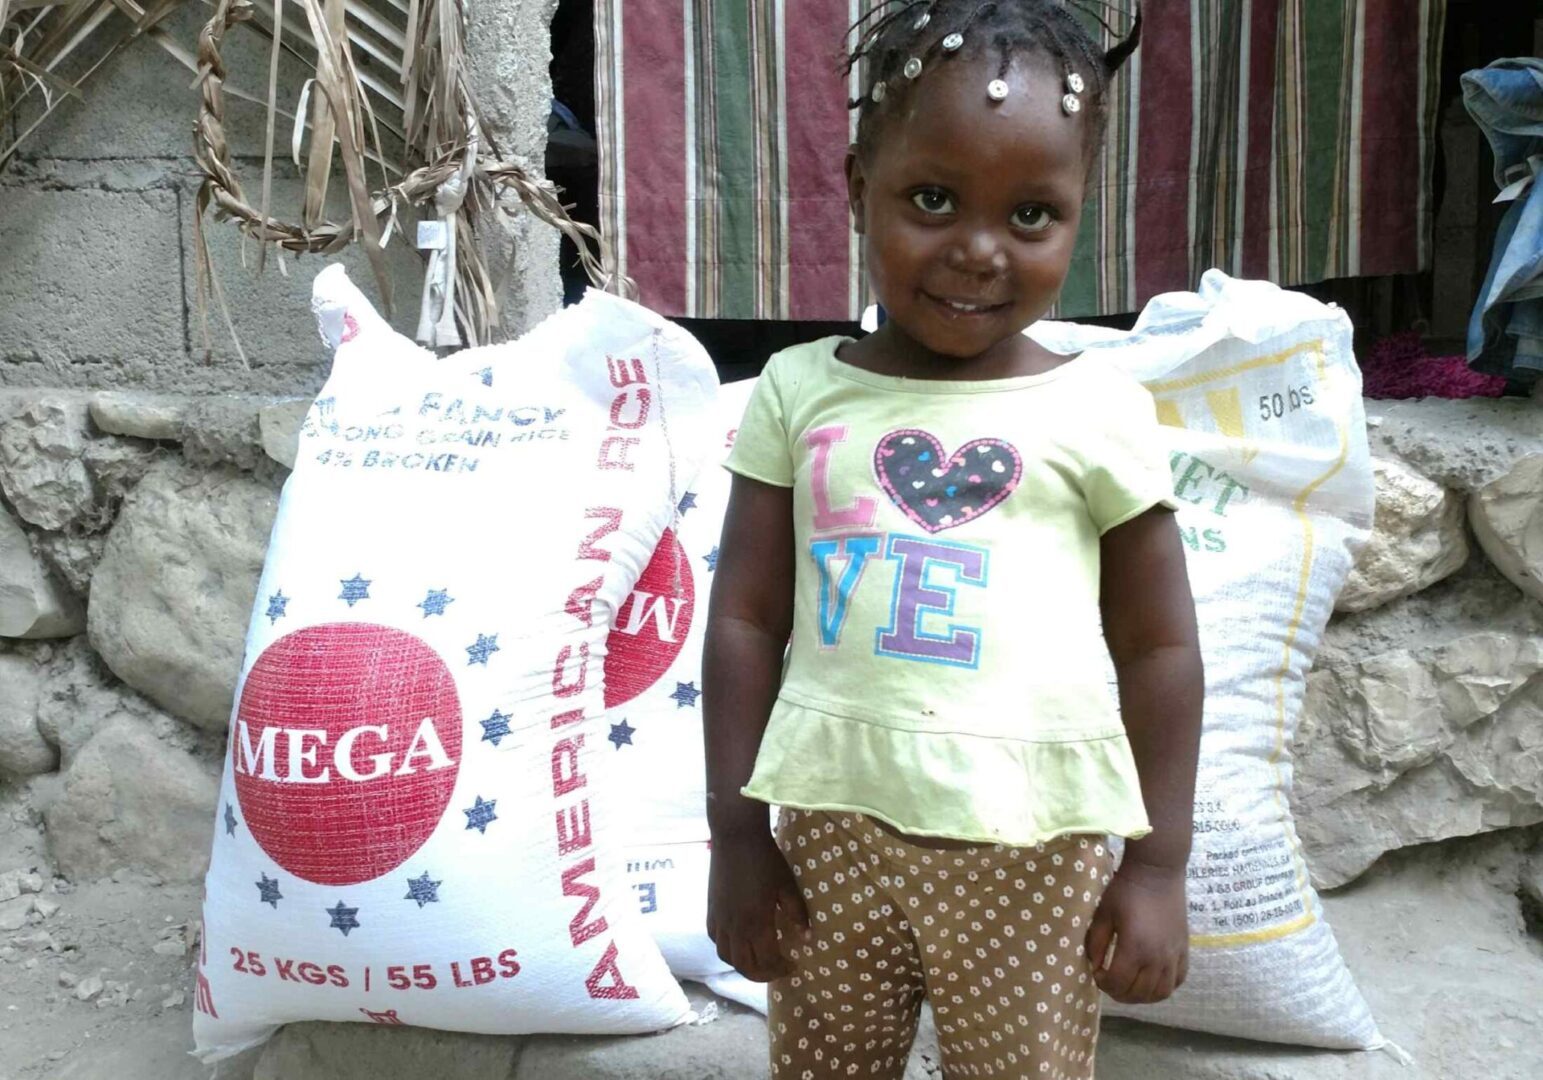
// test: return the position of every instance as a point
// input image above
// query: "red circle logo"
(346, 747)
(652, 624)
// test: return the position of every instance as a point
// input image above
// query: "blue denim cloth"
(1505, 335)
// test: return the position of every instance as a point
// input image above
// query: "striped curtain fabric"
(1284, 139)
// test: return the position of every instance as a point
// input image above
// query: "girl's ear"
(857, 187)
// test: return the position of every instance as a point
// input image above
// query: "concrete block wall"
(98, 267)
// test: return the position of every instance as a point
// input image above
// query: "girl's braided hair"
(896, 31)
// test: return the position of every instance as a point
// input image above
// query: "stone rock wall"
(174, 590)
(1424, 714)
(1419, 539)
(132, 534)
(1507, 518)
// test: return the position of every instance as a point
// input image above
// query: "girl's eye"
(933, 201)
(1032, 218)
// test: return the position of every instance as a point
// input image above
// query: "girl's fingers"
(768, 951)
(790, 901)
(1116, 979)
(1113, 972)
(731, 954)
(1099, 936)
(1142, 986)
(773, 962)
(745, 954)
(749, 963)
(1183, 971)
(761, 969)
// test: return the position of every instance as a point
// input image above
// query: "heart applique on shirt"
(938, 490)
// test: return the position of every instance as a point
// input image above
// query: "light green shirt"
(947, 672)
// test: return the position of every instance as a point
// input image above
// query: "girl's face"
(970, 207)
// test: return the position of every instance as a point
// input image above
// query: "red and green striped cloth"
(1282, 139)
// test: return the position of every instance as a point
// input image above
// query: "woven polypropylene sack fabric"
(653, 666)
(653, 673)
(1260, 396)
(418, 816)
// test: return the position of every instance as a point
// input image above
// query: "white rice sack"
(653, 689)
(418, 814)
(1261, 398)
(653, 665)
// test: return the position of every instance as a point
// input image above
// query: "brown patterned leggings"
(992, 937)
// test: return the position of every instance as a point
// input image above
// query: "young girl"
(950, 524)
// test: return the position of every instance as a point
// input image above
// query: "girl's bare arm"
(748, 624)
(1149, 623)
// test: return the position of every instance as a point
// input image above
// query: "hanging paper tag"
(1519, 178)
(432, 235)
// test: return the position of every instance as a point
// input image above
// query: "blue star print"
(687, 502)
(423, 890)
(436, 602)
(355, 589)
(495, 727)
(268, 892)
(487, 645)
(486, 374)
(621, 734)
(711, 559)
(685, 694)
(343, 918)
(481, 815)
(276, 605)
(230, 820)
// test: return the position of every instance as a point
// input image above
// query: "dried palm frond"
(447, 164)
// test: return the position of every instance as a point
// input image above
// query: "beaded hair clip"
(997, 90)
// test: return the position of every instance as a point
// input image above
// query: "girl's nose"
(978, 251)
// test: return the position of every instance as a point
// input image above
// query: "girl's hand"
(748, 887)
(1149, 622)
(1143, 913)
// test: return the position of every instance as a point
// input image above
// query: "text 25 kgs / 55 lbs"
(476, 971)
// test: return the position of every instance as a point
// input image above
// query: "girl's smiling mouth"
(965, 308)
